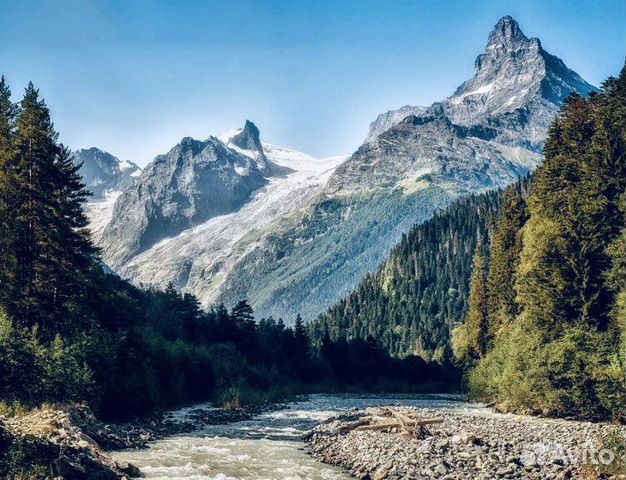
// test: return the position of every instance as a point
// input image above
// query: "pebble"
(465, 446)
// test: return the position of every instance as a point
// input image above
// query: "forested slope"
(413, 300)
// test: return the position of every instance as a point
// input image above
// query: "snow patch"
(228, 134)
(241, 171)
(479, 91)
(100, 212)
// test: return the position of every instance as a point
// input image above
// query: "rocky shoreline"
(70, 442)
(469, 446)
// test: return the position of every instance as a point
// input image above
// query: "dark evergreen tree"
(504, 251)
(471, 339)
(301, 337)
(8, 266)
(51, 246)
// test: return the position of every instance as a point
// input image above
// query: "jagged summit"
(194, 181)
(506, 34)
(249, 140)
(102, 172)
(517, 89)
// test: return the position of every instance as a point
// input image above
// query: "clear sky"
(134, 77)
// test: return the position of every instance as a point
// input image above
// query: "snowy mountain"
(199, 259)
(486, 134)
(158, 235)
(234, 218)
(106, 177)
(102, 172)
(195, 181)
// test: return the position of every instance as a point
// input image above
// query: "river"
(266, 447)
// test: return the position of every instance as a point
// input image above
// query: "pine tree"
(242, 313)
(477, 321)
(8, 265)
(301, 338)
(52, 248)
(504, 251)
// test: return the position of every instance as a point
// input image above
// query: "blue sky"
(134, 77)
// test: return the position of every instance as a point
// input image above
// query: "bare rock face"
(102, 172)
(517, 90)
(514, 95)
(386, 120)
(194, 181)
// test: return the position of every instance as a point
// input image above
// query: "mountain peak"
(249, 139)
(506, 35)
(103, 172)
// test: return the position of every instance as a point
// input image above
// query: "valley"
(446, 301)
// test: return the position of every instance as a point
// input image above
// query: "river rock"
(467, 445)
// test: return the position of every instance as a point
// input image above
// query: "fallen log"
(393, 420)
(428, 421)
(352, 425)
(405, 422)
(379, 426)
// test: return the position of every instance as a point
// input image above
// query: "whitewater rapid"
(268, 447)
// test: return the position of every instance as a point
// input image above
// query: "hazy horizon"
(133, 78)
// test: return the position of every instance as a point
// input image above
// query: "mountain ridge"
(415, 167)
(484, 136)
(191, 183)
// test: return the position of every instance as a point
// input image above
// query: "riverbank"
(477, 446)
(69, 442)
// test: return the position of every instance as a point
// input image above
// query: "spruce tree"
(504, 251)
(8, 265)
(301, 338)
(52, 248)
(477, 321)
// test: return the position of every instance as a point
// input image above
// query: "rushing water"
(266, 447)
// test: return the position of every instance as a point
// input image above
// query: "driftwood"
(407, 423)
